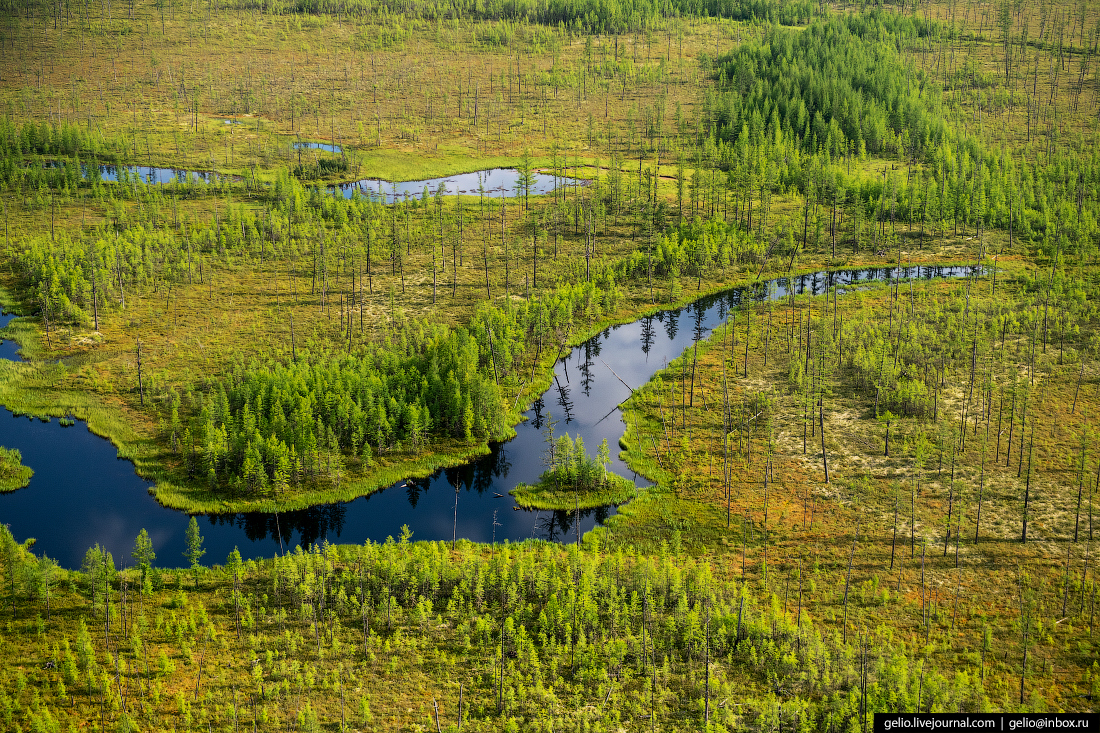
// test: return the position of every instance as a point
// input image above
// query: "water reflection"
(564, 402)
(561, 526)
(327, 147)
(537, 418)
(671, 322)
(700, 328)
(647, 335)
(311, 525)
(493, 183)
(585, 367)
(9, 349)
(82, 493)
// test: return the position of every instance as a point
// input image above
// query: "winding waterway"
(81, 493)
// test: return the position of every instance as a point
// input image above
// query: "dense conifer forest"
(239, 245)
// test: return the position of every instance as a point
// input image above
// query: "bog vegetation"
(883, 499)
(402, 634)
(13, 474)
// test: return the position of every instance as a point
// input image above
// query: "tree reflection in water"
(557, 526)
(82, 494)
(326, 521)
(311, 524)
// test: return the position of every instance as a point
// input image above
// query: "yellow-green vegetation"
(153, 296)
(614, 490)
(13, 474)
(363, 286)
(929, 443)
(399, 635)
(884, 503)
(574, 479)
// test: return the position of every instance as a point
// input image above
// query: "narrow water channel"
(81, 493)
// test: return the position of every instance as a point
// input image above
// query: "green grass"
(37, 389)
(13, 474)
(447, 160)
(23, 331)
(206, 327)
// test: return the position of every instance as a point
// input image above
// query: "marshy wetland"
(601, 366)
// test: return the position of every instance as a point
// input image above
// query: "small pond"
(327, 147)
(150, 174)
(495, 183)
(154, 175)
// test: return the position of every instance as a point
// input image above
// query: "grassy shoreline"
(32, 388)
(13, 474)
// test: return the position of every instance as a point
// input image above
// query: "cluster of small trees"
(794, 109)
(276, 425)
(608, 16)
(279, 423)
(65, 139)
(273, 424)
(568, 465)
(342, 633)
(840, 82)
